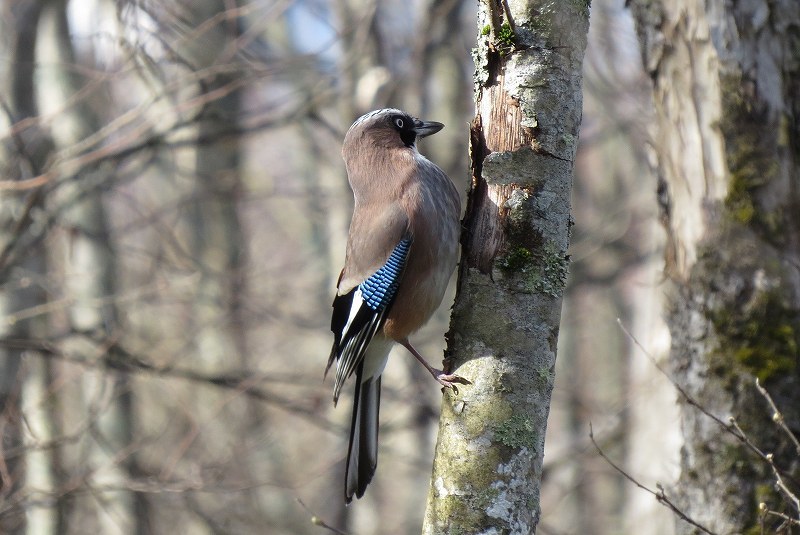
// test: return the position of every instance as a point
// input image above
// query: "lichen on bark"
(505, 319)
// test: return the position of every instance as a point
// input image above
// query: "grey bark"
(726, 87)
(22, 156)
(504, 329)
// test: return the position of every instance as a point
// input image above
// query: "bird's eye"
(398, 121)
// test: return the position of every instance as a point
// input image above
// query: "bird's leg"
(447, 380)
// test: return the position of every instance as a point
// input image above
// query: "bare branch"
(787, 520)
(317, 521)
(660, 495)
(781, 485)
(733, 427)
(777, 417)
(120, 360)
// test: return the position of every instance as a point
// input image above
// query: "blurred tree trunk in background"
(216, 240)
(206, 35)
(504, 330)
(90, 287)
(726, 82)
(22, 271)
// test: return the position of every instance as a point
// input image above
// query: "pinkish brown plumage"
(401, 250)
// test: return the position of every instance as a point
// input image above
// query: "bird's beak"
(426, 128)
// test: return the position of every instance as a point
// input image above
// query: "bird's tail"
(362, 455)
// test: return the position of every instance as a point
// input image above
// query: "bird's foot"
(449, 380)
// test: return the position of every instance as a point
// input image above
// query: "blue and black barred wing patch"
(378, 290)
(358, 314)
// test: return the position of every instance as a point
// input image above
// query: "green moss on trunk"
(761, 339)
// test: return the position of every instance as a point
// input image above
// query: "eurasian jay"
(401, 250)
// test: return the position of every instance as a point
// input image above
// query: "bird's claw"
(449, 380)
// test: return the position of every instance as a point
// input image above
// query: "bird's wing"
(375, 230)
(359, 313)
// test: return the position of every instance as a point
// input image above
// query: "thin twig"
(781, 484)
(317, 521)
(769, 459)
(782, 516)
(777, 417)
(120, 360)
(684, 394)
(731, 427)
(744, 438)
(660, 495)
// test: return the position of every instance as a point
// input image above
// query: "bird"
(402, 248)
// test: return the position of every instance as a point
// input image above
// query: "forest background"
(174, 212)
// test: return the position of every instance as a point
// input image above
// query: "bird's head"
(388, 128)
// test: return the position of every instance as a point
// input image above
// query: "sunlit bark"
(487, 469)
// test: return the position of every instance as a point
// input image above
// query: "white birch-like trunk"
(726, 141)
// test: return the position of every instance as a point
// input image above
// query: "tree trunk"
(90, 286)
(505, 321)
(207, 35)
(726, 86)
(22, 266)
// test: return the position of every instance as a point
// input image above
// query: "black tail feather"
(362, 455)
